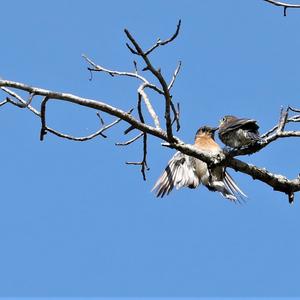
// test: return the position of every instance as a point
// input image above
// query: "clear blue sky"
(76, 221)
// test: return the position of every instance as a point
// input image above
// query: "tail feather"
(222, 188)
(233, 187)
(254, 136)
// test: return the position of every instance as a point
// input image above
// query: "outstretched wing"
(180, 172)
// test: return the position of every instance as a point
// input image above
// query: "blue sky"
(75, 221)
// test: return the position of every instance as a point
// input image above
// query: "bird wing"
(180, 172)
(241, 123)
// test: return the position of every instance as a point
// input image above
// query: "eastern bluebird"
(237, 133)
(187, 171)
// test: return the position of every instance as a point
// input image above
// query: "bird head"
(227, 119)
(206, 131)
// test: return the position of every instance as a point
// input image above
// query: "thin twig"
(273, 134)
(293, 109)
(162, 43)
(143, 163)
(135, 66)
(175, 75)
(100, 118)
(282, 120)
(284, 5)
(176, 115)
(43, 118)
(153, 114)
(162, 81)
(130, 141)
(4, 102)
(98, 68)
(295, 119)
(22, 103)
(84, 138)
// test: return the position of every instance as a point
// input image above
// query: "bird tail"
(233, 188)
(227, 188)
(254, 136)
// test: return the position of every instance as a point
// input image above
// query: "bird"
(238, 132)
(187, 171)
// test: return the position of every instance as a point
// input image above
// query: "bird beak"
(215, 129)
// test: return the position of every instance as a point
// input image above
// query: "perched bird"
(187, 171)
(237, 133)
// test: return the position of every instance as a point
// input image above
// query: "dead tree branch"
(141, 89)
(284, 5)
(153, 114)
(174, 76)
(165, 42)
(43, 118)
(276, 132)
(176, 112)
(131, 140)
(143, 162)
(157, 73)
(22, 103)
(84, 138)
(277, 182)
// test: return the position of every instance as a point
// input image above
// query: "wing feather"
(241, 123)
(178, 173)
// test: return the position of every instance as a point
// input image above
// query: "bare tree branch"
(176, 113)
(143, 162)
(160, 78)
(273, 134)
(284, 5)
(162, 43)
(282, 120)
(84, 138)
(141, 91)
(294, 109)
(43, 118)
(22, 103)
(131, 140)
(277, 182)
(174, 76)
(94, 104)
(289, 120)
(98, 68)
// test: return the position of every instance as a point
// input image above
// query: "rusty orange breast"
(207, 143)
